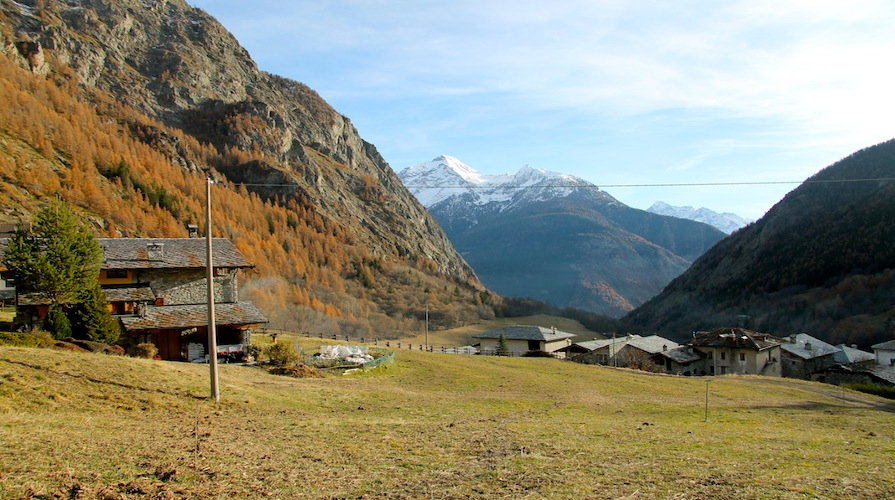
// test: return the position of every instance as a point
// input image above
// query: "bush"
(35, 339)
(537, 354)
(146, 350)
(876, 390)
(282, 353)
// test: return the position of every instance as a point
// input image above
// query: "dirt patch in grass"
(300, 371)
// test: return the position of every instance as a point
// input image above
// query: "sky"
(626, 95)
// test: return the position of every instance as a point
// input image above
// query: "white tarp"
(348, 353)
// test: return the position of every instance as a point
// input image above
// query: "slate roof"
(525, 332)
(174, 253)
(129, 293)
(653, 344)
(735, 338)
(849, 355)
(807, 347)
(593, 345)
(682, 355)
(886, 346)
(171, 317)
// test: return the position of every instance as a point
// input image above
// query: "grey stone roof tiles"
(525, 332)
(165, 317)
(888, 346)
(169, 253)
(738, 338)
(849, 355)
(129, 293)
(807, 347)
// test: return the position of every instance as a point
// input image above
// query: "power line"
(589, 186)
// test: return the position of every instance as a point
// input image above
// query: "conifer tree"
(502, 348)
(58, 260)
(93, 319)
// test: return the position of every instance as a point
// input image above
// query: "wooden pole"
(209, 274)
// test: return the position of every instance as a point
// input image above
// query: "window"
(742, 356)
(723, 355)
(116, 273)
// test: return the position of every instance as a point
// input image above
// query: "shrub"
(18, 339)
(282, 353)
(876, 390)
(146, 350)
(537, 354)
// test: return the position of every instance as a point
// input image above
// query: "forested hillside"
(822, 261)
(338, 244)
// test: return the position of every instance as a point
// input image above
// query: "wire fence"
(388, 343)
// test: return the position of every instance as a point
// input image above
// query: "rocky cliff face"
(177, 64)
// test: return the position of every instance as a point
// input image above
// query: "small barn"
(521, 339)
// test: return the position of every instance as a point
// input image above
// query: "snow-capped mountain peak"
(446, 177)
(727, 222)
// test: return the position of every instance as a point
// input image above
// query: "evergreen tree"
(502, 348)
(94, 322)
(58, 260)
(57, 322)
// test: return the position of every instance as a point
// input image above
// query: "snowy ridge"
(726, 222)
(446, 178)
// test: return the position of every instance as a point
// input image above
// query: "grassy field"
(75, 425)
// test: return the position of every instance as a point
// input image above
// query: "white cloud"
(710, 85)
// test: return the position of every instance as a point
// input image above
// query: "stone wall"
(184, 286)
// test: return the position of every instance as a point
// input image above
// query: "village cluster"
(719, 352)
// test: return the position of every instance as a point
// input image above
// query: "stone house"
(645, 353)
(594, 352)
(521, 339)
(856, 374)
(630, 350)
(157, 288)
(737, 350)
(851, 355)
(683, 360)
(885, 353)
(801, 355)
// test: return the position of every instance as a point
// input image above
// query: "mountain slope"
(129, 101)
(555, 237)
(726, 222)
(821, 261)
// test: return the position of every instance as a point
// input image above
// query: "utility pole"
(209, 274)
(706, 400)
(427, 326)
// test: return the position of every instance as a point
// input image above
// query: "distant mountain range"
(726, 222)
(821, 261)
(555, 237)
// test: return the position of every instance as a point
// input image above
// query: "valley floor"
(437, 426)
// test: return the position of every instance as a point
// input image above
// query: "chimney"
(155, 251)
(792, 338)
(807, 346)
(193, 230)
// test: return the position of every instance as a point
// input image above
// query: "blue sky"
(615, 92)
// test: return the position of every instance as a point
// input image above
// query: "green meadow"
(83, 425)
